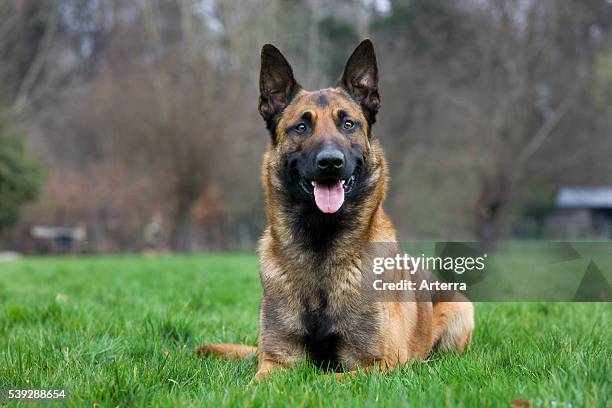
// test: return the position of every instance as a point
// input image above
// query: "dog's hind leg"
(231, 351)
(453, 323)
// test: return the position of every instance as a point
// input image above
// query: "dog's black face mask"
(326, 170)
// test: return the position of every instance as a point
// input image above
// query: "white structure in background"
(63, 238)
(9, 256)
(583, 212)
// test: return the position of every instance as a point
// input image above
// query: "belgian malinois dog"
(325, 180)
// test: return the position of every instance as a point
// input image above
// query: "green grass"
(120, 331)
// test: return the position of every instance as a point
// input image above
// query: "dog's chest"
(318, 308)
(321, 332)
(331, 327)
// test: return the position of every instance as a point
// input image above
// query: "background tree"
(504, 85)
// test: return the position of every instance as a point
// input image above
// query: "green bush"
(20, 176)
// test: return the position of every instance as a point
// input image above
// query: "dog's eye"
(348, 124)
(301, 128)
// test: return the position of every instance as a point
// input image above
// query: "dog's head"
(321, 139)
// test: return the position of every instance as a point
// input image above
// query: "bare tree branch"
(38, 63)
(543, 133)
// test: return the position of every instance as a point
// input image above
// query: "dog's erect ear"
(277, 86)
(360, 79)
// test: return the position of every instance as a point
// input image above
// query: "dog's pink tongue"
(329, 198)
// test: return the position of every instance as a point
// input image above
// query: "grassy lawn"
(120, 331)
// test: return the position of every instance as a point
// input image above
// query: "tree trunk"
(488, 232)
(180, 238)
(490, 208)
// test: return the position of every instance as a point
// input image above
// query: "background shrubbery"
(20, 176)
(143, 114)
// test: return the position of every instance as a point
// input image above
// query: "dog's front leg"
(276, 350)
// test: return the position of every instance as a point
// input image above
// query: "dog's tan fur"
(297, 281)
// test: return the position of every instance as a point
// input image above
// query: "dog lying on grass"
(325, 179)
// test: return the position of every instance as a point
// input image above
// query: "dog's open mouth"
(329, 193)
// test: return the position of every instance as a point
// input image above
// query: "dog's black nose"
(330, 159)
